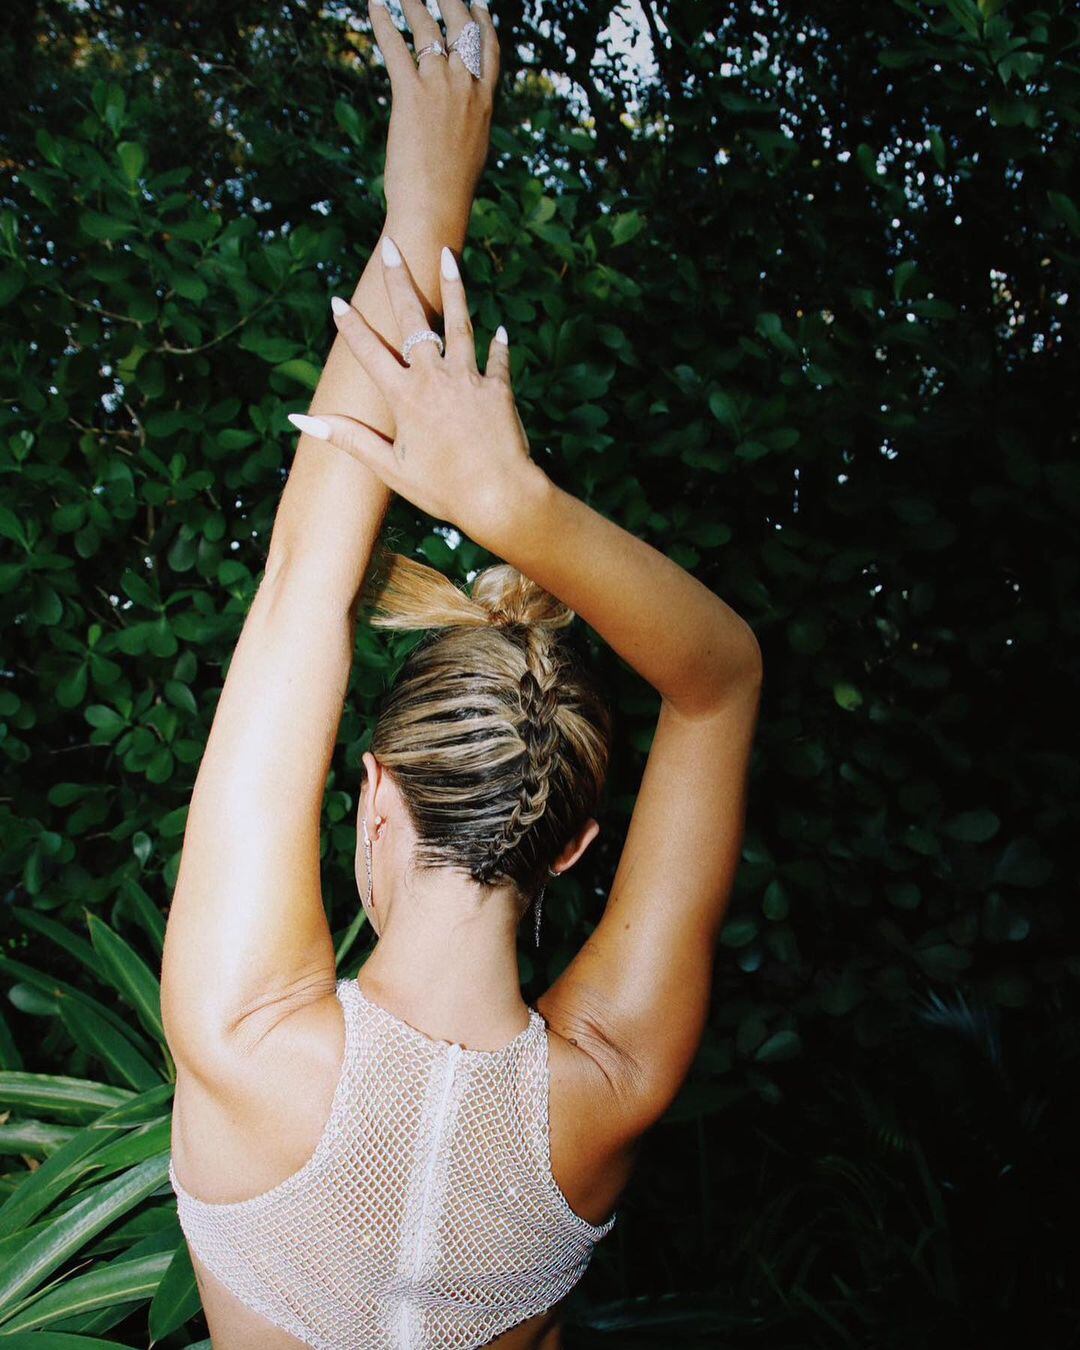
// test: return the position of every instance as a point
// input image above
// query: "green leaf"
(1023, 864)
(94, 1036)
(723, 407)
(132, 159)
(902, 275)
(626, 226)
(66, 1235)
(100, 226)
(12, 528)
(180, 695)
(973, 827)
(348, 119)
(58, 1340)
(783, 1045)
(48, 145)
(106, 720)
(966, 12)
(129, 974)
(300, 370)
(739, 932)
(775, 903)
(177, 1299)
(847, 696)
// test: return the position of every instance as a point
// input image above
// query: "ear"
(577, 846)
(372, 778)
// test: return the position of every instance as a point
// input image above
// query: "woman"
(415, 1156)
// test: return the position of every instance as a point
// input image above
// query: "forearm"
(332, 507)
(677, 634)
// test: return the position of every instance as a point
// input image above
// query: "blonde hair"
(494, 732)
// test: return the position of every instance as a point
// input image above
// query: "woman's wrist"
(426, 231)
(519, 509)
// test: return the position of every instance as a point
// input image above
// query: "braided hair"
(494, 730)
(538, 698)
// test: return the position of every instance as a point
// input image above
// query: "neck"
(446, 962)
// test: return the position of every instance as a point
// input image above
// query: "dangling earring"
(367, 856)
(538, 903)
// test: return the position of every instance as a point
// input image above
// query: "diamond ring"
(467, 46)
(421, 335)
(435, 46)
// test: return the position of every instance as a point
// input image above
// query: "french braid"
(538, 694)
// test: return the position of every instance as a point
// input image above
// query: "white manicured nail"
(390, 255)
(338, 305)
(449, 266)
(313, 426)
(379, 4)
(500, 336)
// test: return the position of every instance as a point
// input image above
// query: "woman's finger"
(498, 362)
(457, 326)
(405, 302)
(423, 27)
(489, 47)
(375, 452)
(395, 52)
(368, 348)
(455, 15)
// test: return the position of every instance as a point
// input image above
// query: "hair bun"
(408, 594)
(510, 597)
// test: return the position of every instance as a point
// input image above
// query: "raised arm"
(636, 996)
(247, 926)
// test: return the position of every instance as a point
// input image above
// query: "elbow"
(742, 658)
(755, 664)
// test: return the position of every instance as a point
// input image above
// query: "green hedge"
(801, 311)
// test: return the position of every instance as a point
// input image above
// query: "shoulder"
(250, 1112)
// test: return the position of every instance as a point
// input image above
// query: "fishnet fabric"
(428, 1215)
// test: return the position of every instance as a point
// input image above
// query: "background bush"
(797, 304)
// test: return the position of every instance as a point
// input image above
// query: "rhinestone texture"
(421, 335)
(467, 46)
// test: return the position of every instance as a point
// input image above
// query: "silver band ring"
(421, 335)
(435, 46)
(467, 45)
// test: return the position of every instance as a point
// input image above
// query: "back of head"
(494, 731)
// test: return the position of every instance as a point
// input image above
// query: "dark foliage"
(799, 307)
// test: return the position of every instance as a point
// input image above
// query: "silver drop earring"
(538, 903)
(367, 856)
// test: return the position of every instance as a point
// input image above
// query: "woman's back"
(410, 1198)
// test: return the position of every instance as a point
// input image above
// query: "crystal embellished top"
(427, 1216)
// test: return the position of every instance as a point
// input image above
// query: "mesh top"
(428, 1214)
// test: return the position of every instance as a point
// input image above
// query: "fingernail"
(500, 336)
(479, 4)
(390, 255)
(449, 266)
(314, 426)
(338, 305)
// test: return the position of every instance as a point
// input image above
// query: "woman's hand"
(460, 453)
(440, 117)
